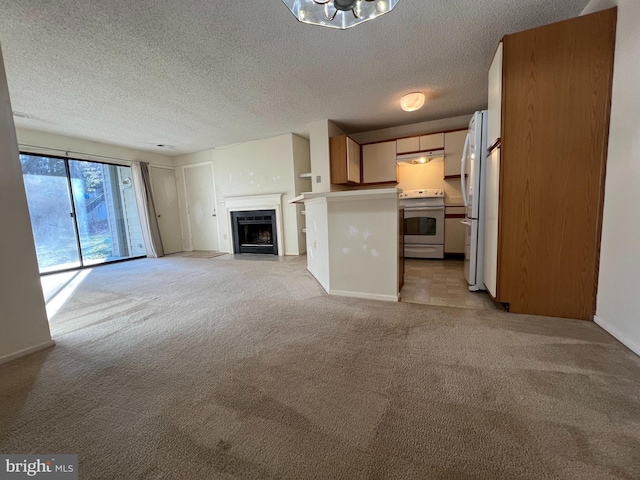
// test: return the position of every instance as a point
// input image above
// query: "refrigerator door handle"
(463, 164)
(465, 222)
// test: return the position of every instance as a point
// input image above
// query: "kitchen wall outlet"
(318, 179)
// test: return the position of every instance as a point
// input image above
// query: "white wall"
(618, 303)
(363, 248)
(34, 141)
(319, 134)
(318, 241)
(23, 318)
(253, 168)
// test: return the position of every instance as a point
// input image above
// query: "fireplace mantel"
(257, 202)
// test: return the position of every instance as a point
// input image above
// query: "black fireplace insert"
(254, 231)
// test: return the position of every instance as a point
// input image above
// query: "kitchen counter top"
(347, 195)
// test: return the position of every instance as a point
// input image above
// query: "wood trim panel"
(454, 215)
(448, 177)
(556, 108)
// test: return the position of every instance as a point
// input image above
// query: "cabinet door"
(379, 163)
(494, 117)
(353, 161)
(345, 161)
(408, 145)
(453, 147)
(554, 149)
(454, 232)
(435, 141)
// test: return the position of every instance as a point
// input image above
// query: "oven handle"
(422, 209)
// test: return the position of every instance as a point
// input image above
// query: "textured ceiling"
(197, 74)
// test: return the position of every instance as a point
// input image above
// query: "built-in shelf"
(305, 175)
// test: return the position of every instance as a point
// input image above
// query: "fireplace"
(255, 231)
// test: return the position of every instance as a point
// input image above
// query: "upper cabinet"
(494, 116)
(408, 145)
(345, 161)
(549, 104)
(423, 143)
(434, 141)
(379, 163)
(453, 148)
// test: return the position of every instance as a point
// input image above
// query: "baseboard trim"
(618, 335)
(366, 296)
(26, 351)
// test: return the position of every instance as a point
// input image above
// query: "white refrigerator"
(473, 181)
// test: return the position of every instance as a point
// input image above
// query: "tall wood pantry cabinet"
(549, 106)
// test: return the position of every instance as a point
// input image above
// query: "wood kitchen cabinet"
(345, 161)
(379, 163)
(453, 148)
(550, 96)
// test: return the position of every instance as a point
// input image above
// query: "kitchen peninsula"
(353, 241)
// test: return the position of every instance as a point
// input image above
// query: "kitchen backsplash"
(429, 175)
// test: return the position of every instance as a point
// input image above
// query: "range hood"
(419, 157)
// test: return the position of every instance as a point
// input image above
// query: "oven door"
(424, 225)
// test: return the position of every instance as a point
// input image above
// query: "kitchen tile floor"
(441, 282)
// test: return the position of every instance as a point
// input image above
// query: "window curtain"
(146, 209)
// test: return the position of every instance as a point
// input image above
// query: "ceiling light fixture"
(340, 14)
(412, 101)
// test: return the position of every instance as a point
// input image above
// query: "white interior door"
(165, 199)
(201, 207)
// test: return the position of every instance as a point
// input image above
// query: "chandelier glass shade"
(340, 14)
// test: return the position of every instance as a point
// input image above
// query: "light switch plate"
(318, 179)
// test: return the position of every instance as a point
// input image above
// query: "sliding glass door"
(51, 211)
(82, 213)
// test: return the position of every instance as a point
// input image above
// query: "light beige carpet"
(176, 368)
(199, 254)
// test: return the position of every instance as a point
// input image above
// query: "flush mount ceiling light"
(412, 101)
(340, 14)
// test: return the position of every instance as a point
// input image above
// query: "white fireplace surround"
(256, 202)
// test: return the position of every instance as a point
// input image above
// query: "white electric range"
(423, 223)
